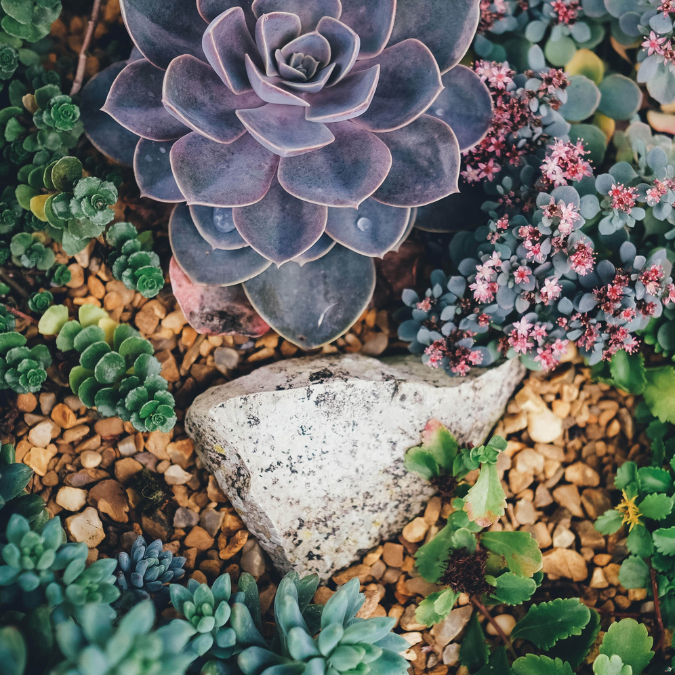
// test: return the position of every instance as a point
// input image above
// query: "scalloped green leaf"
(540, 665)
(630, 641)
(575, 648)
(474, 652)
(629, 372)
(656, 506)
(520, 550)
(432, 557)
(548, 622)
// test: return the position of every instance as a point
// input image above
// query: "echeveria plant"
(288, 126)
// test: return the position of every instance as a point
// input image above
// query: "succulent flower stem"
(485, 612)
(82, 59)
(21, 315)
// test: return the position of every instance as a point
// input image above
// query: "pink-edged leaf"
(320, 249)
(135, 102)
(152, 166)
(373, 21)
(273, 31)
(409, 82)
(106, 135)
(205, 265)
(310, 44)
(211, 9)
(283, 129)
(226, 41)
(279, 226)
(196, 96)
(309, 11)
(164, 29)
(344, 173)
(315, 84)
(447, 27)
(344, 46)
(214, 174)
(217, 227)
(425, 165)
(437, 440)
(271, 89)
(215, 310)
(485, 502)
(316, 303)
(371, 230)
(465, 105)
(344, 101)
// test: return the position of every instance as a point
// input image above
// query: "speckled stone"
(310, 451)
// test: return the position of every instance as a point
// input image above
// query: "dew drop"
(222, 220)
(364, 224)
(162, 150)
(439, 112)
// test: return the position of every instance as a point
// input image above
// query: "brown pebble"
(26, 402)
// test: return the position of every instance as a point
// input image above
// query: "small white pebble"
(505, 621)
(90, 459)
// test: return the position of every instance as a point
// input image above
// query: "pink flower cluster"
(525, 337)
(564, 162)
(658, 190)
(667, 7)
(485, 286)
(623, 198)
(460, 359)
(512, 112)
(566, 11)
(659, 45)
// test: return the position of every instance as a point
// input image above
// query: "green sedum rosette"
(22, 370)
(133, 262)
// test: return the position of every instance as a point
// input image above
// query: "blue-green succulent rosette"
(297, 138)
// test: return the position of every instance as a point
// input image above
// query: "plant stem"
(657, 613)
(21, 315)
(82, 59)
(10, 282)
(484, 611)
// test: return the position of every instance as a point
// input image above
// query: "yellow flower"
(630, 511)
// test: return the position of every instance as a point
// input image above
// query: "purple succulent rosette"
(297, 138)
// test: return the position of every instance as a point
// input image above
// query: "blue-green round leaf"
(583, 98)
(620, 98)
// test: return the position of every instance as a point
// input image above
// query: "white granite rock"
(310, 451)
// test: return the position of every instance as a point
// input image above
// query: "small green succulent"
(118, 372)
(61, 275)
(29, 552)
(60, 114)
(345, 644)
(40, 302)
(7, 320)
(40, 568)
(133, 262)
(28, 251)
(10, 212)
(22, 370)
(29, 20)
(9, 61)
(95, 645)
(208, 611)
(79, 210)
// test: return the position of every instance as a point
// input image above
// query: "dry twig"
(82, 59)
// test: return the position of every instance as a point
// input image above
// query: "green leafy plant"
(78, 208)
(29, 251)
(22, 370)
(40, 302)
(7, 320)
(133, 262)
(118, 372)
(499, 567)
